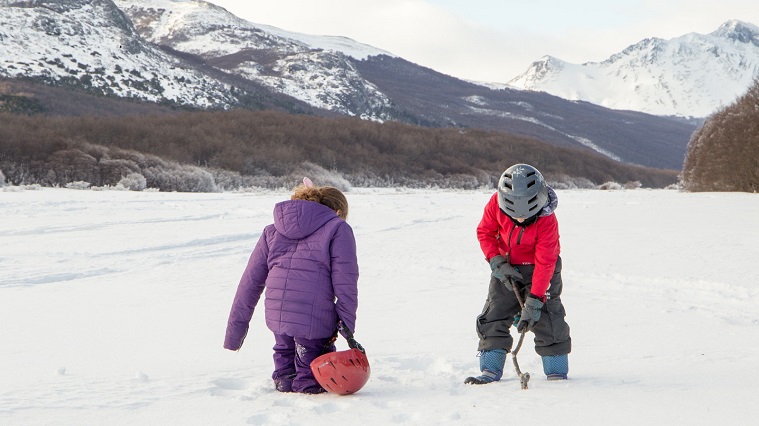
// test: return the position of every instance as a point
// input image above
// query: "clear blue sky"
(496, 40)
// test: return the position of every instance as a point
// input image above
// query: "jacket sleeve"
(248, 293)
(546, 254)
(345, 275)
(487, 230)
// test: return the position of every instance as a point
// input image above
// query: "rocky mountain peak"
(738, 31)
(689, 76)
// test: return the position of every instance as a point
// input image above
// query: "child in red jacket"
(519, 236)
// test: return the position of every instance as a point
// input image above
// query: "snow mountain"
(193, 54)
(92, 45)
(689, 76)
(312, 69)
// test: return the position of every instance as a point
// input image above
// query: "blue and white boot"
(556, 367)
(491, 366)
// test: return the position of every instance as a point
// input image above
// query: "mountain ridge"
(195, 55)
(688, 76)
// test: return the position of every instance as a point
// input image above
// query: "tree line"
(723, 154)
(201, 151)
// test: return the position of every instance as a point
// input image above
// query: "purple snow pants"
(292, 363)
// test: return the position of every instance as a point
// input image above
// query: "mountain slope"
(689, 76)
(196, 55)
(355, 79)
(440, 100)
(91, 44)
(282, 61)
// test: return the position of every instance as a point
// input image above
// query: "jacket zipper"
(519, 237)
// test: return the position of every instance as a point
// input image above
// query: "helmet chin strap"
(527, 222)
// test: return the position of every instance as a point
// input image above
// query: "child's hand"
(503, 271)
(353, 344)
(530, 314)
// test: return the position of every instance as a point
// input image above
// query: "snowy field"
(113, 307)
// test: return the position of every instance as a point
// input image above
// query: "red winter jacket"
(536, 244)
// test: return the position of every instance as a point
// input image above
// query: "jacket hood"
(551, 205)
(297, 219)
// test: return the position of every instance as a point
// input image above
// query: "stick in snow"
(523, 378)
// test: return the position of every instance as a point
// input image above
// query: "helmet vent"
(342, 372)
(522, 191)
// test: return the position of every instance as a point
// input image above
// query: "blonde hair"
(327, 195)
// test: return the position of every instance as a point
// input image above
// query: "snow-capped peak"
(738, 31)
(91, 44)
(691, 75)
(208, 15)
(298, 65)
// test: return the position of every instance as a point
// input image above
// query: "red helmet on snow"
(342, 372)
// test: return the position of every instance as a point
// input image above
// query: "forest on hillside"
(723, 154)
(209, 151)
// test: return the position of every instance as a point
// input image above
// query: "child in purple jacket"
(306, 260)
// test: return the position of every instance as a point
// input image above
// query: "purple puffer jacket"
(307, 262)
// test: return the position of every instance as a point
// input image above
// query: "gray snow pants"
(497, 317)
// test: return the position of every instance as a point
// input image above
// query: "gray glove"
(502, 271)
(530, 314)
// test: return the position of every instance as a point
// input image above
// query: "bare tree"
(271, 148)
(722, 155)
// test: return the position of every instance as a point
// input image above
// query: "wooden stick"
(523, 378)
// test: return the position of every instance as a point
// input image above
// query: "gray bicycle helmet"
(522, 191)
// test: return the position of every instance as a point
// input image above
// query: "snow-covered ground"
(113, 307)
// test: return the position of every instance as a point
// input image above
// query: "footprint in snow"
(231, 384)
